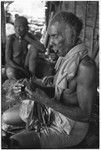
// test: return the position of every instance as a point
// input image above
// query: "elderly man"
(21, 62)
(75, 91)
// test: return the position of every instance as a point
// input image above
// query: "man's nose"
(18, 29)
(51, 41)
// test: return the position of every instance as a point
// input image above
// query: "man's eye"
(54, 36)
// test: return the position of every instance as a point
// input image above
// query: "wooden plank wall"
(88, 11)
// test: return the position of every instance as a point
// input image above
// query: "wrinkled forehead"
(53, 28)
(57, 27)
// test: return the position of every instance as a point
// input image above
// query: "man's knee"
(25, 139)
(13, 144)
(6, 117)
(10, 73)
(16, 141)
(11, 116)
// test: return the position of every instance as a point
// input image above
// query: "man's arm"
(33, 41)
(31, 59)
(86, 92)
(49, 91)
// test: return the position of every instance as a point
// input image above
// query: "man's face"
(61, 41)
(20, 29)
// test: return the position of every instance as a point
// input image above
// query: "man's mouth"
(58, 54)
(18, 33)
(54, 48)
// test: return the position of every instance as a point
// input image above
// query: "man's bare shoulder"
(32, 36)
(87, 61)
(87, 64)
(11, 37)
(87, 70)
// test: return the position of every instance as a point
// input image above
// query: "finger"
(19, 84)
(17, 87)
(44, 80)
(17, 92)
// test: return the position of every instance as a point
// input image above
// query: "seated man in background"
(75, 90)
(21, 62)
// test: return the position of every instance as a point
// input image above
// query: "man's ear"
(74, 35)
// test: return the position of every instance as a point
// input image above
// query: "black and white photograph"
(50, 74)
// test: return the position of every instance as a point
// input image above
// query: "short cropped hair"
(68, 18)
(22, 20)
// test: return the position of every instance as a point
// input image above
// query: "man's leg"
(49, 138)
(54, 137)
(11, 116)
(25, 140)
(31, 59)
(10, 72)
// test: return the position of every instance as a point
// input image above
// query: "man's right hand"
(48, 81)
(17, 88)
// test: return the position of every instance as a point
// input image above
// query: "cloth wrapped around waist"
(38, 116)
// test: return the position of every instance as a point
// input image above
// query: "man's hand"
(17, 88)
(48, 81)
(33, 41)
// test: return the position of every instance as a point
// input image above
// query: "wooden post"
(3, 34)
